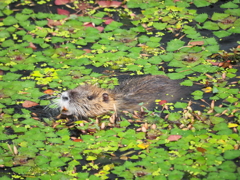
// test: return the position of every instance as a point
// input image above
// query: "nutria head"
(86, 101)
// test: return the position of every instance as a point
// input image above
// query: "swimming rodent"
(90, 100)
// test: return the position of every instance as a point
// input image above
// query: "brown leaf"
(87, 50)
(196, 43)
(54, 22)
(202, 150)
(28, 104)
(31, 45)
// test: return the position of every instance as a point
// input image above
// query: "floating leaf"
(187, 83)
(143, 145)
(201, 3)
(28, 104)
(61, 2)
(233, 12)
(221, 34)
(210, 25)
(174, 137)
(159, 26)
(174, 45)
(21, 17)
(232, 125)
(207, 89)
(9, 21)
(4, 34)
(200, 149)
(201, 17)
(229, 5)
(219, 16)
(232, 154)
(180, 105)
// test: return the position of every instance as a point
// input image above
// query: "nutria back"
(91, 101)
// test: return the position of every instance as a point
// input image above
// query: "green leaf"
(124, 123)
(201, 17)
(201, 3)
(180, 105)
(210, 25)
(232, 99)
(41, 15)
(112, 26)
(7, 11)
(187, 83)
(57, 163)
(221, 34)
(233, 12)
(174, 45)
(197, 94)
(27, 11)
(21, 169)
(9, 21)
(159, 26)
(234, 30)
(143, 39)
(176, 75)
(229, 5)
(228, 166)
(4, 34)
(237, 23)
(11, 76)
(21, 17)
(231, 154)
(219, 16)
(213, 49)
(41, 23)
(8, 43)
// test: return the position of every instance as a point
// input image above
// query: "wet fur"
(91, 101)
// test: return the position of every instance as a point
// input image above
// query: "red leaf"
(88, 24)
(62, 11)
(28, 104)
(100, 28)
(49, 91)
(61, 2)
(162, 102)
(104, 3)
(115, 4)
(174, 137)
(108, 20)
(78, 140)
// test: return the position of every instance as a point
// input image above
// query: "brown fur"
(91, 101)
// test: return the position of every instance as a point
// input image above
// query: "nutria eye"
(65, 98)
(105, 97)
(90, 97)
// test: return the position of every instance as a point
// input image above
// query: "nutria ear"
(105, 97)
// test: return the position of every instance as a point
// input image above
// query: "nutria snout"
(91, 101)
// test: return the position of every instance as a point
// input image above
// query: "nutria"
(90, 100)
